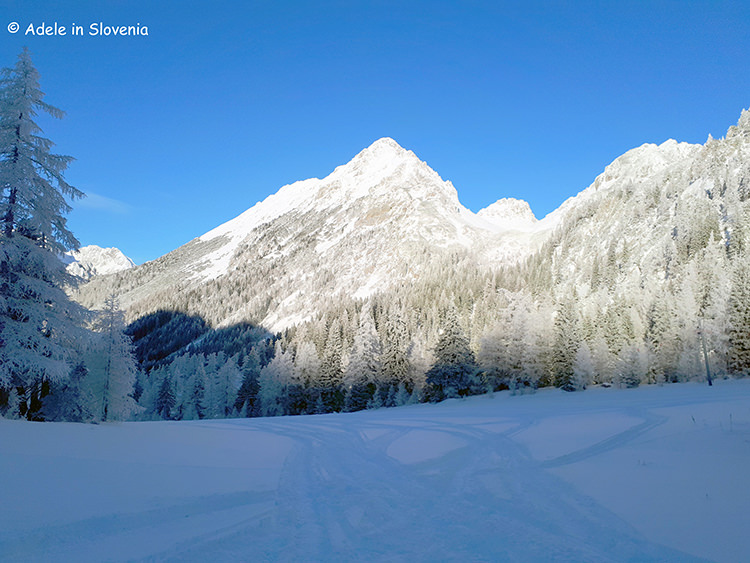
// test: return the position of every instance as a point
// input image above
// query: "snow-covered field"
(649, 474)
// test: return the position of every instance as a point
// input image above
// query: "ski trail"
(620, 439)
(84, 540)
(342, 498)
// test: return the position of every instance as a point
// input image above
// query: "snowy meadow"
(656, 473)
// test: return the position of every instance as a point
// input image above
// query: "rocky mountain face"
(92, 260)
(376, 221)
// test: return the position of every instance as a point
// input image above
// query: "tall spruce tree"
(117, 368)
(38, 326)
(739, 319)
(454, 371)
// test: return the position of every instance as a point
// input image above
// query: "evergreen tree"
(31, 177)
(739, 319)
(331, 373)
(248, 392)
(633, 365)
(13, 410)
(454, 371)
(566, 346)
(39, 326)
(394, 359)
(274, 379)
(363, 370)
(119, 369)
(165, 400)
(583, 367)
(68, 400)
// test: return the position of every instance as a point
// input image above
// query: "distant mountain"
(509, 213)
(92, 260)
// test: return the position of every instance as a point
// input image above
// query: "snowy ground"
(649, 474)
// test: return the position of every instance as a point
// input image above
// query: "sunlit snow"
(647, 474)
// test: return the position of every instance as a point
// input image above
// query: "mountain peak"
(510, 213)
(385, 143)
(93, 260)
(742, 129)
(382, 151)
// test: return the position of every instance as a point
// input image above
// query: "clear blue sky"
(225, 102)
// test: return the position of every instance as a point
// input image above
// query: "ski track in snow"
(450, 482)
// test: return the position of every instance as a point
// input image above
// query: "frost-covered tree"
(274, 379)
(69, 400)
(117, 369)
(31, 177)
(331, 373)
(38, 324)
(739, 319)
(632, 365)
(394, 359)
(454, 371)
(363, 369)
(247, 404)
(583, 367)
(165, 399)
(566, 346)
(223, 382)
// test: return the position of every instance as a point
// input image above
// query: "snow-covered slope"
(378, 220)
(383, 186)
(509, 213)
(648, 474)
(92, 260)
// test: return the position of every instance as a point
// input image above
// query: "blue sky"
(225, 102)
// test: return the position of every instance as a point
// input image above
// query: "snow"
(509, 213)
(647, 474)
(388, 176)
(93, 260)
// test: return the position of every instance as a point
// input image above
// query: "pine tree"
(633, 365)
(739, 319)
(39, 326)
(363, 370)
(454, 371)
(69, 399)
(119, 370)
(394, 361)
(31, 177)
(165, 400)
(273, 380)
(566, 346)
(13, 410)
(248, 392)
(331, 374)
(583, 367)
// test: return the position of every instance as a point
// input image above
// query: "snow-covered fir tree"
(454, 371)
(363, 370)
(39, 326)
(112, 365)
(273, 381)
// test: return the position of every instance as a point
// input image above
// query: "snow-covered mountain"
(387, 220)
(376, 221)
(93, 260)
(509, 213)
(387, 196)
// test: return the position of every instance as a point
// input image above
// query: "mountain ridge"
(382, 219)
